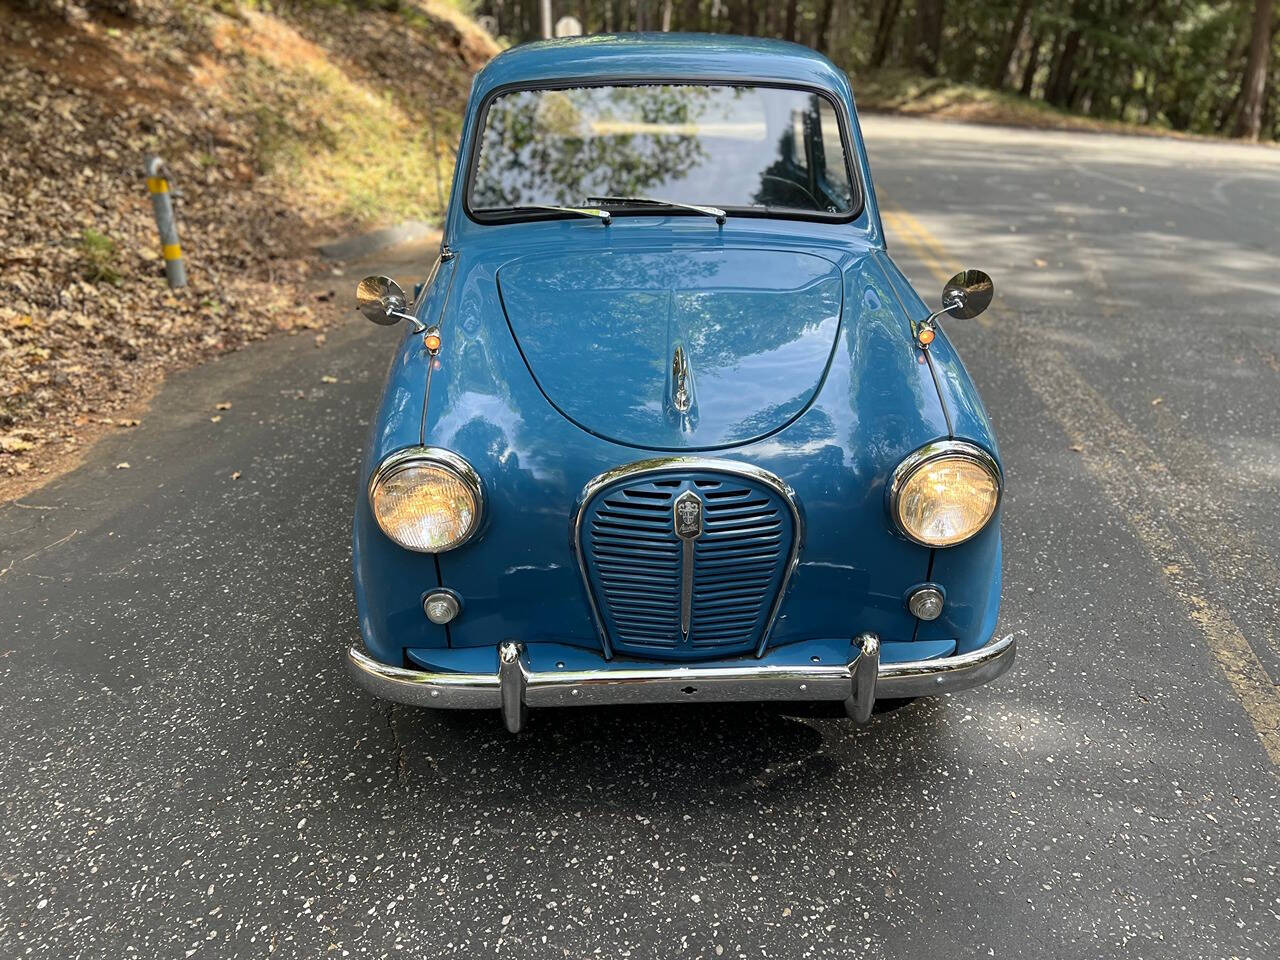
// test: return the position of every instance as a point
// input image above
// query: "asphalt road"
(185, 770)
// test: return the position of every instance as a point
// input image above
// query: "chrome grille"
(633, 561)
(735, 559)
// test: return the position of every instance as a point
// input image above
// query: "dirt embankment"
(277, 129)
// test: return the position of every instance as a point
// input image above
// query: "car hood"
(676, 349)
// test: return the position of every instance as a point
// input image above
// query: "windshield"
(743, 148)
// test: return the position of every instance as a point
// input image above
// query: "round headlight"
(945, 493)
(426, 499)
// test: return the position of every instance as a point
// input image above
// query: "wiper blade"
(604, 216)
(655, 202)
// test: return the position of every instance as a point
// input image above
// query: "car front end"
(657, 455)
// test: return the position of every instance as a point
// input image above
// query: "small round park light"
(926, 335)
(925, 603)
(441, 606)
(432, 340)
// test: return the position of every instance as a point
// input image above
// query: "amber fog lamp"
(944, 493)
(427, 499)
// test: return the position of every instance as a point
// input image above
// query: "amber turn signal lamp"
(432, 342)
(926, 335)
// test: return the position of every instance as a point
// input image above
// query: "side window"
(835, 175)
(799, 151)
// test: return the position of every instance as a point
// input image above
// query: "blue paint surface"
(743, 314)
(553, 370)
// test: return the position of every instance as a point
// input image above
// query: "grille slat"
(634, 561)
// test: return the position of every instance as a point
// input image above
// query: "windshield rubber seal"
(627, 80)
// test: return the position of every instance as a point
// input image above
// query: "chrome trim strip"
(686, 587)
(438, 455)
(514, 687)
(661, 465)
(687, 533)
(933, 451)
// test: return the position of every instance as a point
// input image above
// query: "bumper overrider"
(515, 687)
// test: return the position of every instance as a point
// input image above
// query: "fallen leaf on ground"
(320, 339)
(1077, 448)
(222, 406)
(236, 475)
(127, 423)
(1157, 401)
(328, 379)
(122, 465)
(215, 419)
(1040, 263)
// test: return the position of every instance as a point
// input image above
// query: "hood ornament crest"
(681, 404)
(681, 387)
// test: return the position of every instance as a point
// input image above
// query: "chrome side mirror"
(383, 301)
(965, 296)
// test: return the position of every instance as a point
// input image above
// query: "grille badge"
(688, 516)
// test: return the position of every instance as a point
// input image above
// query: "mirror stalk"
(418, 325)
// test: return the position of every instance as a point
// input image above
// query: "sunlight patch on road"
(1099, 433)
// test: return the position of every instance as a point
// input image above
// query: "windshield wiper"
(604, 216)
(655, 202)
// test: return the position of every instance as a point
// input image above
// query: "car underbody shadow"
(727, 754)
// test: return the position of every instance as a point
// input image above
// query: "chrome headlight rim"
(941, 450)
(399, 460)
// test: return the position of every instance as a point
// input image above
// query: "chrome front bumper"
(515, 688)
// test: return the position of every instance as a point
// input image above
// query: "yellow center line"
(1125, 467)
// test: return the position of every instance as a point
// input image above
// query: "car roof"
(659, 57)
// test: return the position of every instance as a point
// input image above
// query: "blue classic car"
(666, 423)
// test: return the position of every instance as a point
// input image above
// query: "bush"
(98, 256)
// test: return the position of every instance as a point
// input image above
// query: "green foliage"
(1174, 64)
(99, 258)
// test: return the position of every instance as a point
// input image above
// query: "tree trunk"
(1254, 85)
(928, 52)
(1000, 69)
(884, 31)
(822, 41)
(1033, 64)
(691, 19)
(1059, 88)
(791, 20)
(1269, 110)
